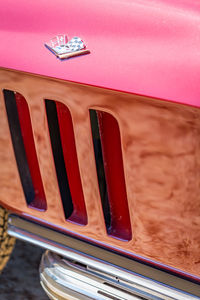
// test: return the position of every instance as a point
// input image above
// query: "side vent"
(24, 149)
(109, 164)
(66, 162)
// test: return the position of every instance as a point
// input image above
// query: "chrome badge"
(62, 48)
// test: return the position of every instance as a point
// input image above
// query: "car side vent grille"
(66, 163)
(24, 149)
(109, 164)
(100, 167)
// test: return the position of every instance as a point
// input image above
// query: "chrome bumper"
(63, 278)
(81, 270)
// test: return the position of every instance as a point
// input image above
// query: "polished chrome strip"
(101, 260)
(64, 277)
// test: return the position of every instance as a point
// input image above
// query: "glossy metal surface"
(65, 279)
(113, 268)
(160, 149)
(138, 46)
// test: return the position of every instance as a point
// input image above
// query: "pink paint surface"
(144, 47)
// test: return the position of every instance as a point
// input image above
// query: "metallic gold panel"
(161, 156)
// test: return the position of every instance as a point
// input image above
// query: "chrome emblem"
(62, 48)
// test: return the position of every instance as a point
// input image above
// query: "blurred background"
(20, 278)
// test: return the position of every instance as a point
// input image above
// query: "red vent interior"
(66, 163)
(71, 162)
(24, 147)
(109, 163)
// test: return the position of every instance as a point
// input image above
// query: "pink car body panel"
(144, 47)
(149, 48)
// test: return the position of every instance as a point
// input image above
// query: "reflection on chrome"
(81, 270)
(64, 278)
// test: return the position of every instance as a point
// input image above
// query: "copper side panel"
(161, 157)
